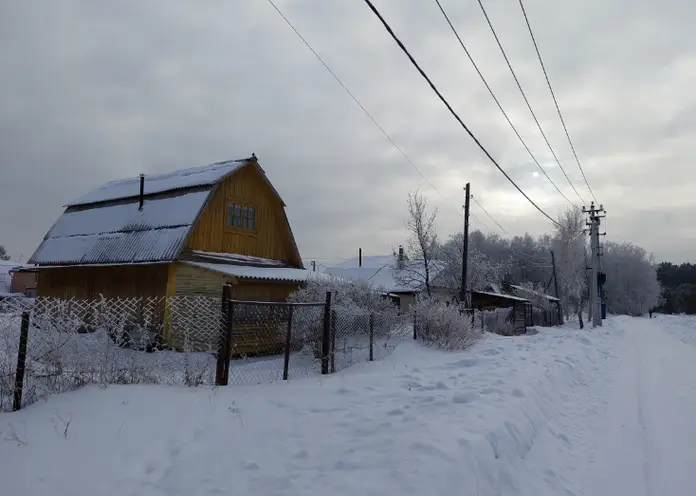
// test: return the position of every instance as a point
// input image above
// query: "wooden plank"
(271, 239)
(125, 281)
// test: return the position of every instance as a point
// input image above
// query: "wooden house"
(183, 233)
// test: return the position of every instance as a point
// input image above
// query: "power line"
(526, 100)
(507, 118)
(454, 114)
(489, 215)
(362, 107)
(553, 95)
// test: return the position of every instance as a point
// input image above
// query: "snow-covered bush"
(499, 321)
(443, 325)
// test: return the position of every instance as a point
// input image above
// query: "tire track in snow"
(647, 479)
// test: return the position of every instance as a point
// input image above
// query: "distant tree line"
(678, 288)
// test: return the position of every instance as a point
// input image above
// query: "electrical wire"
(553, 95)
(489, 215)
(495, 99)
(526, 100)
(452, 111)
(362, 107)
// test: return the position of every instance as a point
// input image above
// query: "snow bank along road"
(605, 411)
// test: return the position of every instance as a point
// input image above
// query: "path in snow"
(648, 444)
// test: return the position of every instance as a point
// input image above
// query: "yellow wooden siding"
(125, 281)
(271, 239)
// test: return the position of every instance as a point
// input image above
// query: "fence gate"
(269, 332)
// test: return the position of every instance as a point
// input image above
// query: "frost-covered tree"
(568, 244)
(631, 287)
(422, 241)
(3, 253)
(481, 270)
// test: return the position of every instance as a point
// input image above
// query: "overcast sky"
(95, 91)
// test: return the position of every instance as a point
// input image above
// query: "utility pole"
(465, 252)
(314, 265)
(595, 214)
(555, 283)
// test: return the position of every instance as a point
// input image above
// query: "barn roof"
(105, 226)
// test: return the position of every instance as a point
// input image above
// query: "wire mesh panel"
(361, 336)
(271, 341)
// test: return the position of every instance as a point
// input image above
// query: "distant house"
(24, 281)
(398, 278)
(184, 233)
(6, 268)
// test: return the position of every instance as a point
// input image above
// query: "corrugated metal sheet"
(159, 183)
(287, 274)
(121, 247)
(120, 233)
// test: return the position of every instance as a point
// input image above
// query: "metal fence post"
(333, 341)
(21, 362)
(326, 335)
(223, 350)
(288, 340)
(372, 336)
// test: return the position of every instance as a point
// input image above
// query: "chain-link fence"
(361, 336)
(50, 345)
(270, 341)
(65, 344)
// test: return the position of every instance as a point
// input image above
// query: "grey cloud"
(96, 91)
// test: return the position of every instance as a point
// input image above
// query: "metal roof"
(207, 175)
(289, 274)
(118, 232)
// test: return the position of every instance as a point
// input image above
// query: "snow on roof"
(240, 259)
(207, 175)
(500, 295)
(380, 272)
(120, 233)
(289, 274)
(538, 293)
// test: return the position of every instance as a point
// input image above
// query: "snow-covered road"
(597, 412)
(648, 442)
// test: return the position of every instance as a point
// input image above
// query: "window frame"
(241, 204)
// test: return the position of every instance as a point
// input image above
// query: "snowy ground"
(596, 412)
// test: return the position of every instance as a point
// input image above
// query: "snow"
(289, 274)
(112, 248)
(119, 233)
(502, 295)
(241, 259)
(596, 412)
(158, 183)
(379, 271)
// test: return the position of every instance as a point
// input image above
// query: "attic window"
(241, 216)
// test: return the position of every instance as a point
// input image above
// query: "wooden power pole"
(555, 284)
(465, 252)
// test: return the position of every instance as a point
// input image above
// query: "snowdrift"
(491, 420)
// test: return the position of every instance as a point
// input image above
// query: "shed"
(521, 307)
